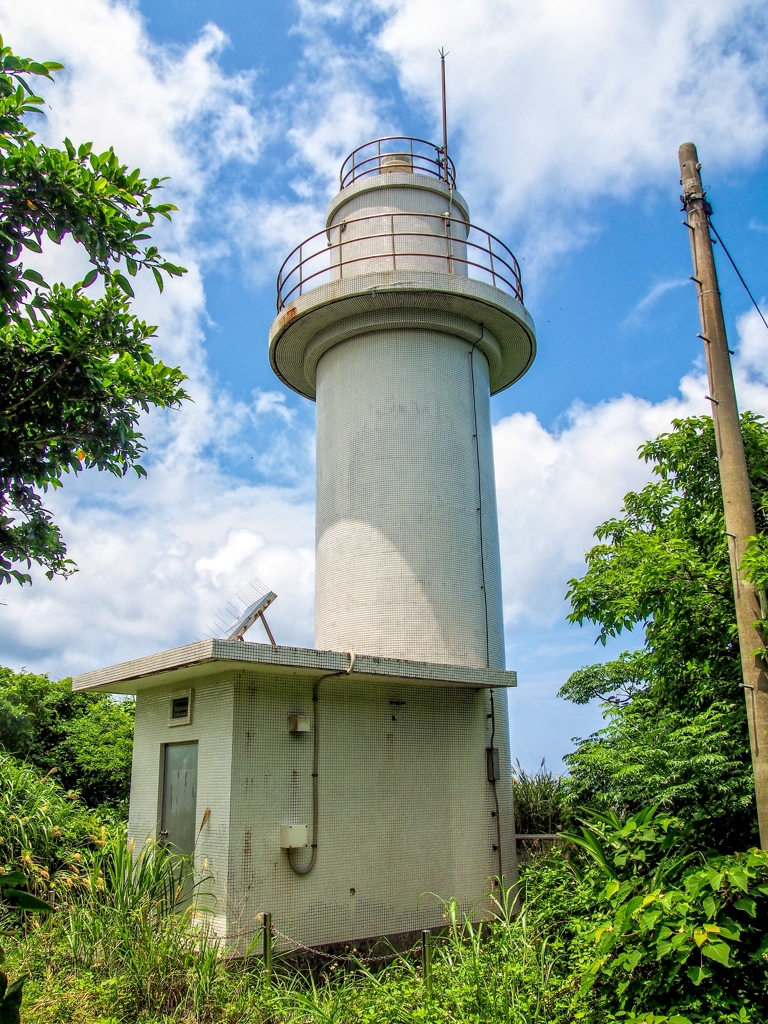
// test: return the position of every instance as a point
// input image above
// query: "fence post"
(268, 946)
(426, 961)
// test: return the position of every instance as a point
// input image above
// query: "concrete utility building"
(339, 787)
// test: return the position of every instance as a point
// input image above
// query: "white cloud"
(157, 557)
(652, 296)
(555, 103)
(555, 487)
(273, 402)
(264, 231)
(172, 112)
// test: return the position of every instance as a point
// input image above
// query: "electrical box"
(293, 837)
(298, 723)
(492, 763)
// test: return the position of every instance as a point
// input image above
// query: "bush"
(86, 737)
(688, 763)
(677, 726)
(675, 932)
(44, 832)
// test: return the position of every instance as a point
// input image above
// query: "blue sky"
(564, 122)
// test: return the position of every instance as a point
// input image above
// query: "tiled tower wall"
(407, 549)
(405, 807)
(211, 727)
(407, 561)
(383, 227)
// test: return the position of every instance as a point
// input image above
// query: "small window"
(181, 709)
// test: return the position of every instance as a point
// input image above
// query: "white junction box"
(293, 837)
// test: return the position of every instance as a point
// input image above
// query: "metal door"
(179, 797)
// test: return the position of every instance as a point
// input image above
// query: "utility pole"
(732, 463)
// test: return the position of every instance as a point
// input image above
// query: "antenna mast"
(443, 55)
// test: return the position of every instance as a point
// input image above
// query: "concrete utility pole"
(732, 463)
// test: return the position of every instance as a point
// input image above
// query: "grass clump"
(43, 830)
(125, 950)
(539, 799)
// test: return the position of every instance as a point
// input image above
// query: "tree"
(86, 738)
(76, 373)
(676, 730)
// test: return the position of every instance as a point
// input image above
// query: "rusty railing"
(398, 153)
(453, 248)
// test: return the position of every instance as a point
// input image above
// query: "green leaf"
(158, 278)
(632, 960)
(698, 974)
(13, 879)
(39, 69)
(718, 951)
(26, 901)
(33, 275)
(123, 283)
(63, 315)
(90, 277)
(747, 904)
(611, 888)
(710, 905)
(738, 877)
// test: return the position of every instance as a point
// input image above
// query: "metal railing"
(398, 153)
(453, 248)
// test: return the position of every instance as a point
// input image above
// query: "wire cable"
(738, 272)
(480, 494)
(496, 794)
(316, 766)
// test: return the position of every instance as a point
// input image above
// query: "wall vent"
(180, 712)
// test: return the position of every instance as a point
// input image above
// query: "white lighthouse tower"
(346, 789)
(401, 319)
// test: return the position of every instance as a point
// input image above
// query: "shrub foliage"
(676, 730)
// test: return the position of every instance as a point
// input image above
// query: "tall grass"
(42, 829)
(126, 949)
(132, 942)
(539, 801)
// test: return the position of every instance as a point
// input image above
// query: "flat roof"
(194, 661)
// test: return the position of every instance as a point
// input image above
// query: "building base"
(406, 815)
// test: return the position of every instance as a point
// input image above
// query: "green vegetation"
(632, 922)
(676, 730)
(540, 801)
(76, 372)
(86, 738)
(13, 893)
(668, 920)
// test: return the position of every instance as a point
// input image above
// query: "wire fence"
(355, 957)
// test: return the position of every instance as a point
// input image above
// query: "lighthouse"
(400, 319)
(348, 788)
